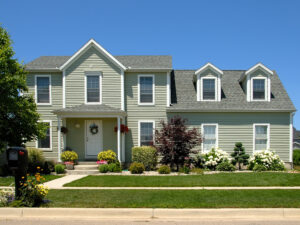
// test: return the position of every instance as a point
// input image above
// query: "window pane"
(260, 144)
(43, 84)
(258, 89)
(208, 89)
(209, 137)
(146, 89)
(93, 91)
(146, 137)
(45, 142)
(261, 137)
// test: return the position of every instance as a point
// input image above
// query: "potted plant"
(123, 128)
(69, 157)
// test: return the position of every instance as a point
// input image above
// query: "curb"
(156, 213)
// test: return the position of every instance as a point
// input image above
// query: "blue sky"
(232, 34)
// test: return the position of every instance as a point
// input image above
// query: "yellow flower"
(38, 167)
(23, 177)
(25, 185)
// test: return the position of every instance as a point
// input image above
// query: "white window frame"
(217, 135)
(50, 127)
(254, 135)
(139, 129)
(50, 89)
(93, 73)
(153, 89)
(266, 88)
(216, 88)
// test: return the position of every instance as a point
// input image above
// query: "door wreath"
(93, 129)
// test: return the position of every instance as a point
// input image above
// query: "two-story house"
(92, 93)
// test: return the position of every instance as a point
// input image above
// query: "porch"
(90, 129)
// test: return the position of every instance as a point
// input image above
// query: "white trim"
(90, 43)
(139, 129)
(85, 136)
(93, 73)
(217, 134)
(50, 87)
(123, 143)
(257, 66)
(96, 115)
(198, 88)
(58, 139)
(50, 127)
(64, 88)
(248, 89)
(219, 96)
(168, 89)
(216, 89)
(291, 137)
(206, 66)
(153, 89)
(268, 135)
(119, 138)
(266, 89)
(122, 92)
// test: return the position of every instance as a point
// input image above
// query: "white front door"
(93, 138)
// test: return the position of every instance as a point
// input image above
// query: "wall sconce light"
(77, 125)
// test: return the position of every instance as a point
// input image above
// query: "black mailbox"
(17, 160)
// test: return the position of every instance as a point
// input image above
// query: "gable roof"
(184, 97)
(207, 66)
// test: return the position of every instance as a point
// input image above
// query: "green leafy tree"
(18, 115)
(239, 155)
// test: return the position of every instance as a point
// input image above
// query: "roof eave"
(231, 110)
(43, 70)
(87, 113)
(149, 70)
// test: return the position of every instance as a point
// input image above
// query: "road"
(143, 222)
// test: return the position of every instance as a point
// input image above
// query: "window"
(210, 134)
(261, 137)
(146, 129)
(208, 89)
(259, 89)
(146, 89)
(45, 143)
(43, 89)
(93, 84)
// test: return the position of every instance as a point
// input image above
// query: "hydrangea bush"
(268, 159)
(214, 157)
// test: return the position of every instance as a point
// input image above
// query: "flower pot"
(70, 166)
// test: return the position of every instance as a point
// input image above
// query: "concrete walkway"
(59, 183)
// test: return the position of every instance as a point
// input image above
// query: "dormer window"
(259, 89)
(209, 89)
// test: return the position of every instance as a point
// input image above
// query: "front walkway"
(59, 183)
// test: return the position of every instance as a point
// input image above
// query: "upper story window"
(146, 89)
(208, 89)
(210, 136)
(45, 143)
(93, 88)
(146, 129)
(43, 89)
(261, 136)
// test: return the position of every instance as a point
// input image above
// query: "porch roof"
(90, 110)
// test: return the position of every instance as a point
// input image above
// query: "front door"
(93, 138)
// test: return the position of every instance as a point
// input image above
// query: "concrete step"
(82, 172)
(87, 163)
(86, 167)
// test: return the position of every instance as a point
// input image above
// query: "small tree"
(174, 141)
(239, 155)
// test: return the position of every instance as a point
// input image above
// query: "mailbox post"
(17, 159)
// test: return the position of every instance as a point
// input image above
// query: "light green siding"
(137, 112)
(75, 138)
(238, 127)
(92, 60)
(46, 110)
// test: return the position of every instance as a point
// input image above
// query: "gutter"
(228, 110)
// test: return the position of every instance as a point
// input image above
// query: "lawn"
(6, 181)
(208, 180)
(174, 198)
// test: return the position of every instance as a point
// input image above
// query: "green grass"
(297, 167)
(6, 181)
(174, 198)
(212, 180)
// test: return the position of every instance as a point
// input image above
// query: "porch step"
(82, 172)
(87, 163)
(86, 167)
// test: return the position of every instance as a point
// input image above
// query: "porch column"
(64, 135)
(59, 138)
(123, 142)
(119, 139)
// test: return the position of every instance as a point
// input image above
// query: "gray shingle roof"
(184, 98)
(89, 109)
(132, 61)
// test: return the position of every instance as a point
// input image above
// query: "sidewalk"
(59, 183)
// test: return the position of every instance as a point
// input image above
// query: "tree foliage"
(174, 141)
(18, 115)
(239, 155)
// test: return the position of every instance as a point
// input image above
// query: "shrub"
(296, 157)
(114, 167)
(259, 168)
(109, 156)
(214, 157)
(48, 167)
(268, 159)
(103, 168)
(225, 166)
(198, 161)
(186, 169)
(59, 168)
(6, 197)
(239, 155)
(69, 156)
(136, 168)
(164, 169)
(146, 155)
(35, 159)
(197, 171)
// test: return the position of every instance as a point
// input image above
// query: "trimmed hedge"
(136, 168)
(146, 155)
(296, 157)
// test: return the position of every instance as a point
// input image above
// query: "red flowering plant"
(123, 128)
(101, 162)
